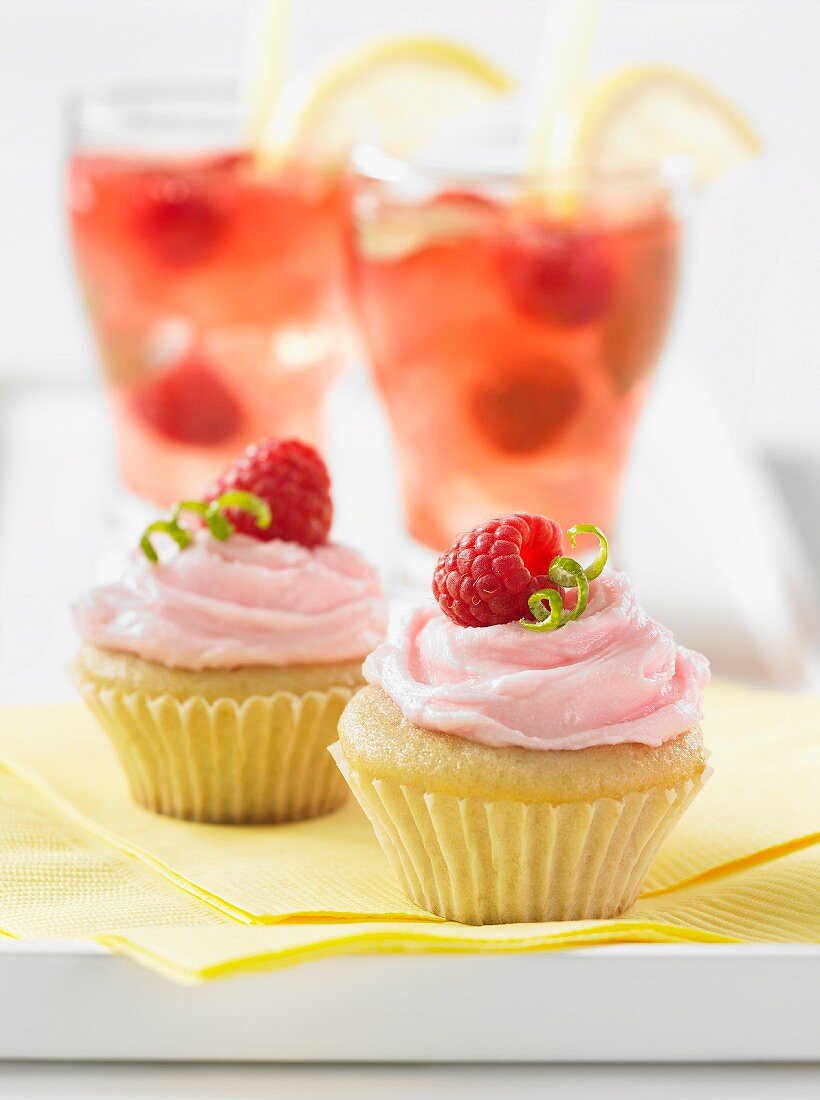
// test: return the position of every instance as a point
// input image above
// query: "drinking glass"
(212, 279)
(512, 331)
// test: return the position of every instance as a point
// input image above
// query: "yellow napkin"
(59, 881)
(777, 903)
(78, 860)
(327, 867)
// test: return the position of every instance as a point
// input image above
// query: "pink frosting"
(240, 602)
(613, 676)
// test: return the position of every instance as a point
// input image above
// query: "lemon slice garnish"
(642, 115)
(397, 93)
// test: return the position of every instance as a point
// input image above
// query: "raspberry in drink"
(212, 281)
(512, 338)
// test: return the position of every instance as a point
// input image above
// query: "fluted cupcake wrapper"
(508, 862)
(262, 760)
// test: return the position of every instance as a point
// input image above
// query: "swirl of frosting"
(240, 602)
(611, 677)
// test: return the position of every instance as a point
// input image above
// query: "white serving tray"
(614, 1004)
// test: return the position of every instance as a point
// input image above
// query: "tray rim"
(79, 1001)
(664, 950)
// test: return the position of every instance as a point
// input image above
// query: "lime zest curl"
(166, 527)
(245, 502)
(212, 513)
(597, 567)
(545, 620)
(205, 511)
(567, 573)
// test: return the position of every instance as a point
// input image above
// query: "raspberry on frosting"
(291, 477)
(489, 574)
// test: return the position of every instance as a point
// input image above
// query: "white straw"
(569, 31)
(268, 51)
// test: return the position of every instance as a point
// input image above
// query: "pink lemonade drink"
(512, 338)
(212, 282)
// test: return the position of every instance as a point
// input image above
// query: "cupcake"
(219, 663)
(525, 744)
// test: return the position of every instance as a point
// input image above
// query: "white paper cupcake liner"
(262, 760)
(507, 862)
